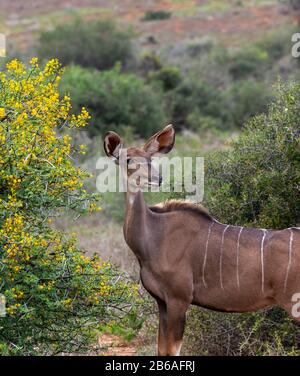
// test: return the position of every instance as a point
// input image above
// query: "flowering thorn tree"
(56, 297)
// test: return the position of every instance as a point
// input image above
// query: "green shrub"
(154, 71)
(270, 332)
(149, 62)
(99, 44)
(193, 100)
(200, 46)
(197, 121)
(257, 182)
(56, 297)
(277, 44)
(246, 99)
(115, 99)
(152, 15)
(257, 59)
(248, 61)
(167, 77)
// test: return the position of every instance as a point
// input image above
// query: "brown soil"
(22, 20)
(116, 346)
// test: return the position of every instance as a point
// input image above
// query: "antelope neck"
(137, 221)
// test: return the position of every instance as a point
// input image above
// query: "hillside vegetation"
(222, 73)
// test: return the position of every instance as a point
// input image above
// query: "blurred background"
(205, 66)
(198, 64)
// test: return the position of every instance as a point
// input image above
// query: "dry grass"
(98, 234)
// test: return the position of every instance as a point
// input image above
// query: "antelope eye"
(128, 161)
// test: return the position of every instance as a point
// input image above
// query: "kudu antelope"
(188, 257)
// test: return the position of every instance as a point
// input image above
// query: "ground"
(116, 346)
(231, 21)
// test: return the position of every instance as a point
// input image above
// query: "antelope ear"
(112, 145)
(161, 142)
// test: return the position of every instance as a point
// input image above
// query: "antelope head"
(136, 164)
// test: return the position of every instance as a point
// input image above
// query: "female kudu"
(188, 257)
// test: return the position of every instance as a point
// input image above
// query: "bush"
(257, 182)
(248, 61)
(149, 62)
(200, 46)
(152, 15)
(270, 332)
(154, 71)
(56, 297)
(194, 101)
(246, 99)
(167, 77)
(115, 99)
(97, 44)
(277, 44)
(258, 59)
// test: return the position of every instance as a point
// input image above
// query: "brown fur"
(180, 205)
(187, 257)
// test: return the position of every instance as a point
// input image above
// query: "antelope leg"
(162, 329)
(176, 312)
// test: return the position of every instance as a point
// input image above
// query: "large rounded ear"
(112, 145)
(161, 142)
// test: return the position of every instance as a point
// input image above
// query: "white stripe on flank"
(221, 256)
(237, 257)
(205, 256)
(262, 260)
(290, 259)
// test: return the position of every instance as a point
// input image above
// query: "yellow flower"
(94, 208)
(51, 67)
(2, 112)
(16, 67)
(34, 62)
(67, 301)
